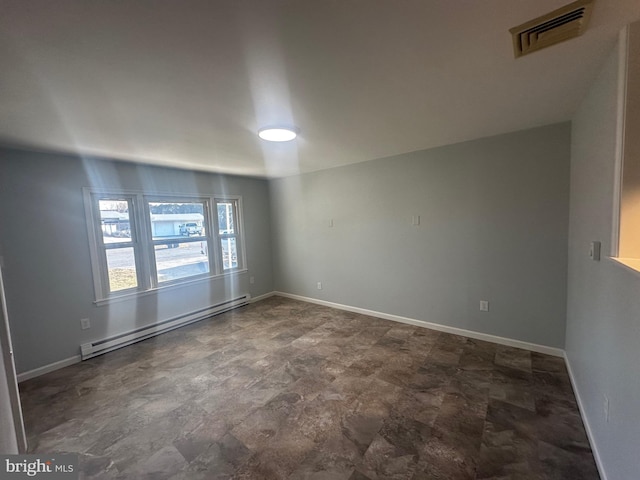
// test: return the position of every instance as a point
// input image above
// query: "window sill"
(135, 295)
(632, 264)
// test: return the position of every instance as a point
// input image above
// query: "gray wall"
(44, 243)
(493, 226)
(603, 318)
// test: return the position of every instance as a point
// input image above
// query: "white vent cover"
(562, 24)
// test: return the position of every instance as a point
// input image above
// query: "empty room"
(285, 239)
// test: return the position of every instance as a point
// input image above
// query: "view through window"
(179, 233)
(118, 245)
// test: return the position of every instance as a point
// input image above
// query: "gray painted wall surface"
(493, 226)
(44, 243)
(603, 318)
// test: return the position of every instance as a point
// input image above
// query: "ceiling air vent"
(555, 27)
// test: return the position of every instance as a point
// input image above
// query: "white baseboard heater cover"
(93, 349)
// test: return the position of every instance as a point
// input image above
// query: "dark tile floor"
(283, 389)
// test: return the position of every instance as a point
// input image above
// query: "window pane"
(114, 221)
(174, 220)
(121, 267)
(181, 260)
(225, 217)
(229, 253)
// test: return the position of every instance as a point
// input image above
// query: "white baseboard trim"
(534, 347)
(36, 372)
(585, 420)
(396, 318)
(262, 297)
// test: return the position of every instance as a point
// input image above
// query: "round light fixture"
(278, 134)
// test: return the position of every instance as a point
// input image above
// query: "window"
(118, 248)
(227, 232)
(180, 242)
(143, 242)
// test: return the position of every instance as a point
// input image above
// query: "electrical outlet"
(252, 280)
(484, 305)
(85, 323)
(319, 285)
(606, 408)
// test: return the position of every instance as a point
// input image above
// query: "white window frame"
(208, 237)
(144, 244)
(237, 222)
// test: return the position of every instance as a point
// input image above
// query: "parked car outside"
(190, 228)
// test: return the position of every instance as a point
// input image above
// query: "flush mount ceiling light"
(278, 134)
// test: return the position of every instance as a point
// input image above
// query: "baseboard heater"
(93, 349)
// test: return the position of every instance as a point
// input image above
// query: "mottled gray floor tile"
(514, 394)
(470, 360)
(402, 332)
(163, 464)
(561, 463)
(552, 383)
(439, 355)
(358, 476)
(513, 358)
(192, 443)
(278, 460)
(282, 389)
(509, 416)
(324, 469)
(384, 460)
(444, 458)
(220, 459)
(506, 453)
(365, 367)
(547, 363)
(431, 376)
(399, 369)
(310, 387)
(96, 467)
(258, 429)
(361, 428)
(406, 434)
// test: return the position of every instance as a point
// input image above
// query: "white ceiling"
(188, 83)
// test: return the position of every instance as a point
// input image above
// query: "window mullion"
(237, 236)
(135, 224)
(102, 251)
(215, 241)
(145, 244)
(209, 208)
